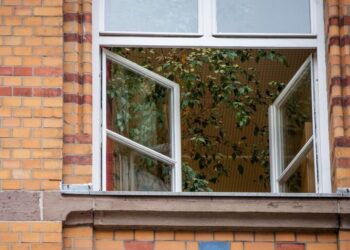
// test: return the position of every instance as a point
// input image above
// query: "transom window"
(137, 128)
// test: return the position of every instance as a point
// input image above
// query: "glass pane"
(138, 108)
(172, 16)
(303, 180)
(128, 170)
(297, 117)
(263, 16)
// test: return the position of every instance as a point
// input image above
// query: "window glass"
(128, 170)
(263, 16)
(138, 108)
(170, 16)
(297, 117)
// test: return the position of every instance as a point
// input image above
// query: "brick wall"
(30, 235)
(338, 24)
(31, 125)
(82, 238)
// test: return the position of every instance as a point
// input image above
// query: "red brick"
(22, 91)
(6, 71)
(134, 245)
(48, 71)
(47, 92)
(290, 246)
(5, 91)
(23, 71)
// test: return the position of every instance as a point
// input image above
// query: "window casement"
(207, 24)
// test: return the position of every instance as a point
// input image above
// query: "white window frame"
(175, 125)
(315, 41)
(279, 170)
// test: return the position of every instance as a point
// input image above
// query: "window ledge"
(200, 211)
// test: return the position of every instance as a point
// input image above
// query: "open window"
(292, 134)
(137, 142)
(140, 128)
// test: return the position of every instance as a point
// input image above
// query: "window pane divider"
(140, 148)
(294, 164)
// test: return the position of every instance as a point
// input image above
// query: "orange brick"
(11, 122)
(5, 174)
(30, 237)
(52, 123)
(261, 236)
(10, 185)
(53, 164)
(22, 112)
(21, 132)
(32, 123)
(53, 102)
(327, 237)
(22, 31)
(344, 235)
(99, 235)
(259, 245)
(12, 40)
(83, 243)
(5, 51)
(204, 236)
(52, 143)
(143, 235)
(49, 31)
(184, 235)
(20, 227)
(51, 184)
(191, 245)
(169, 245)
(22, 51)
(11, 102)
(33, 41)
(124, 235)
(20, 246)
(32, 21)
(6, 11)
(31, 143)
(47, 153)
(21, 174)
(223, 236)
(31, 185)
(244, 236)
(80, 232)
(5, 154)
(48, 11)
(5, 112)
(236, 246)
(285, 236)
(46, 246)
(52, 237)
(11, 2)
(322, 246)
(31, 164)
(10, 143)
(32, 101)
(164, 235)
(4, 132)
(47, 174)
(109, 245)
(306, 237)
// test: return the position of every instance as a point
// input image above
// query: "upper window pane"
(170, 16)
(263, 16)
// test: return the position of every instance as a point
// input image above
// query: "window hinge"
(76, 187)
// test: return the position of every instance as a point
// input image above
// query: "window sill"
(200, 211)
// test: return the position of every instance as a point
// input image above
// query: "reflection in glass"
(128, 170)
(263, 16)
(138, 108)
(297, 117)
(303, 180)
(170, 16)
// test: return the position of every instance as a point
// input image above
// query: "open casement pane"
(141, 124)
(263, 16)
(151, 16)
(129, 170)
(291, 135)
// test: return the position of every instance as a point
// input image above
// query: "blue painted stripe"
(214, 245)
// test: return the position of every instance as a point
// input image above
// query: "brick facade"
(46, 130)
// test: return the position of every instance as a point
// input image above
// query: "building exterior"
(47, 85)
